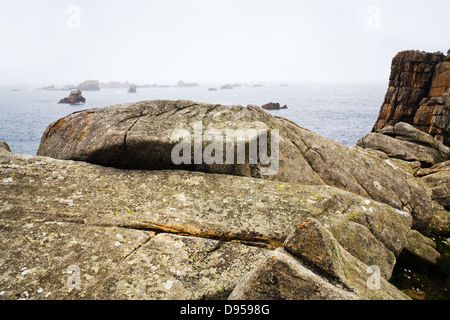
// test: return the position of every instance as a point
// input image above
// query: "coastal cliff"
(418, 94)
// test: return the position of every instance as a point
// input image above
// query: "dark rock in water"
(182, 84)
(273, 106)
(212, 89)
(132, 88)
(16, 90)
(226, 87)
(75, 97)
(89, 85)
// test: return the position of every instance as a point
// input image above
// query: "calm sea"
(341, 112)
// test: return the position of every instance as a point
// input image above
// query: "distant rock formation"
(75, 97)
(49, 88)
(212, 89)
(114, 85)
(89, 85)
(132, 88)
(182, 84)
(273, 106)
(226, 87)
(418, 94)
(68, 87)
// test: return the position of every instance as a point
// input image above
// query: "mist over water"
(338, 111)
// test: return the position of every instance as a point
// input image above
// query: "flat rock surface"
(69, 212)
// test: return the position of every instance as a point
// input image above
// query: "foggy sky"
(163, 41)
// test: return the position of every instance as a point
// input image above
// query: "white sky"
(163, 41)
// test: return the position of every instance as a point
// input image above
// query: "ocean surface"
(341, 112)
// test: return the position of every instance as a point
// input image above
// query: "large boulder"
(440, 223)
(405, 142)
(282, 277)
(141, 136)
(439, 183)
(420, 249)
(167, 234)
(283, 274)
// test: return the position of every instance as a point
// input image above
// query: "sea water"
(338, 111)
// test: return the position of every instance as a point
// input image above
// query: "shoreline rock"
(75, 97)
(418, 85)
(273, 106)
(132, 88)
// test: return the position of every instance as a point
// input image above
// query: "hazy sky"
(162, 41)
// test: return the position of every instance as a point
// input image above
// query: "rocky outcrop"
(132, 88)
(114, 85)
(183, 235)
(439, 183)
(49, 88)
(441, 78)
(4, 146)
(89, 85)
(284, 274)
(416, 153)
(182, 84)
(139, 136)
(75, 97)
(226, 87)
(415, 95)
(405, 142)
(421, 249)
(68, 87)
(440, 223)
(273, 106)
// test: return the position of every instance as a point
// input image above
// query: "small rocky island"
(89, 85)
(132, 88)
(273, 106)
(104, 197)
(75, 97)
